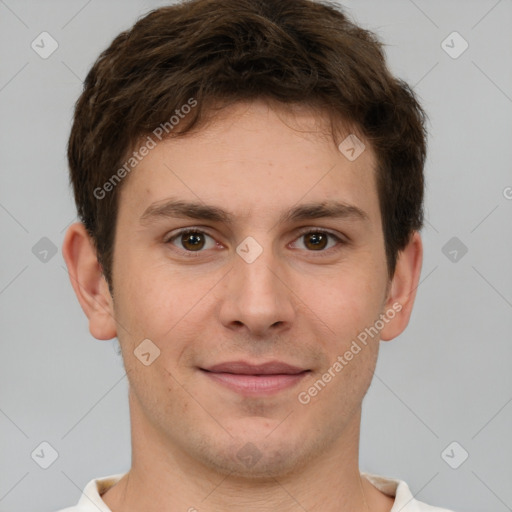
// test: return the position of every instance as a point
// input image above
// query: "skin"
(295, 303)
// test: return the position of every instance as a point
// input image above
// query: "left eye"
(193, 240)
(318, 240)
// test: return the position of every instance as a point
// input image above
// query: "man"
(249, 177)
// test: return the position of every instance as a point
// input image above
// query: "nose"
(258, 296)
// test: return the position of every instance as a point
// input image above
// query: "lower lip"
(256, 384)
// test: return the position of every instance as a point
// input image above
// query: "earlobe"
(88, 281)
(402, 289)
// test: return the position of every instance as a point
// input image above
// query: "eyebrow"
(198, 211)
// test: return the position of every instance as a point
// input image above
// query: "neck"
(165, 479)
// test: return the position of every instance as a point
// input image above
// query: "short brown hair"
(287, 51)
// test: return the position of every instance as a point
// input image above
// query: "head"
(248, 109)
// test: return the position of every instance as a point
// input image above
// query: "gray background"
(447, 378)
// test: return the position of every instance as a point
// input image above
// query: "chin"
(263, 456)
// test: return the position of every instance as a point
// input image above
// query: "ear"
(88, 281)
(402, 288)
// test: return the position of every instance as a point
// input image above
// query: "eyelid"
(189, 229)
(316, 229)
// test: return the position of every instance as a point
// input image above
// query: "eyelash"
(307, 231)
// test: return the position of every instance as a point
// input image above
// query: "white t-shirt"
(91, 501)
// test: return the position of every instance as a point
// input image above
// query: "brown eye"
(316, 241)
(191, 240)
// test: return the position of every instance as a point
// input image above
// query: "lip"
(244, 368)
(255, 379)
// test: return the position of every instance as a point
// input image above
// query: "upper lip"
(244, 368)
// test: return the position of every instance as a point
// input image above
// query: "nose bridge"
(257, 297)
(259, 276)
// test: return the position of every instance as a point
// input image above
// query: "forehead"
(252, 159)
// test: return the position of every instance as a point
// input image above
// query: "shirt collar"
(404, 500)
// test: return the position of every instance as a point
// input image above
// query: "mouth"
(255, 379)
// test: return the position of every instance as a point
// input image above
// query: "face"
(248, 290)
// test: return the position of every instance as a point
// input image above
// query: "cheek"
(349, 307)
(145, 299)
(348, 301)
(158, 302)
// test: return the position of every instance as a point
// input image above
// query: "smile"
(255, 380)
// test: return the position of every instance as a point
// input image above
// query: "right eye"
(192, 240)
